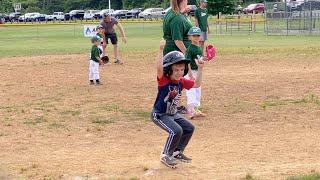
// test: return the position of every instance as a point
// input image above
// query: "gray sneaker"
(181, 157)
(118, 62)
(168, 161)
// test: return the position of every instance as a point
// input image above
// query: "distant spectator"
(108, 23)
(201, 15)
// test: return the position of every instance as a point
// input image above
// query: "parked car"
(152, 13)
(55, 16)
(67, 17)
(134, 13)
(27, 17)
(293, 5)
(99, 14)
(119, 13)
(164, 12)
(258, 8)
(192, 10)
(76, 14)
(14, 16)
(310, 5)
(89, 14)
(38, 17)
(4, 17)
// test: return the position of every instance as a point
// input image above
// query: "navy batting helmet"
(174, 57)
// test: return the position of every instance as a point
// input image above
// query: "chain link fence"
(292, 17)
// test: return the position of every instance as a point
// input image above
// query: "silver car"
(152, 13)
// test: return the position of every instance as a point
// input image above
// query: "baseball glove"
(105, 59)
(211, 52)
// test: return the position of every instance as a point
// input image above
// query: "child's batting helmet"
(174, 57)
(95, 39)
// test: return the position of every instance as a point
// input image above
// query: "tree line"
(50, 6)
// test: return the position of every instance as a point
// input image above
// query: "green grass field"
(69, 39)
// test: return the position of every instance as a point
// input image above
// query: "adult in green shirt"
(176, 25)
(201, 16)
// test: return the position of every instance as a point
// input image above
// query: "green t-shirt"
(202, 17)
(175, 27)
(95, 52)
(192, 53)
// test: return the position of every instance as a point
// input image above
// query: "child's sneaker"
(198, 113)
(191, 112)
(180, 156)
(168, 161)
(191, 115)
(118, 62)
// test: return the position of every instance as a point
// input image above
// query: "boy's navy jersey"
(169, 93)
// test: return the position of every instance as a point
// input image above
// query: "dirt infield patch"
(263, 120)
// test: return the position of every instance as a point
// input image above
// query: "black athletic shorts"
(113, 38)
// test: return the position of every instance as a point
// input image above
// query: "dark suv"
(76, 14)
(14, 16)
(4, 17)
(133, 13)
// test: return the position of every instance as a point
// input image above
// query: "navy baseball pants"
(180, 131)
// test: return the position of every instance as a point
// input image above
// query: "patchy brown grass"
(263, 120)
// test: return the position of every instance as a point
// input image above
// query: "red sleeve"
(162, 81)
(186, 83)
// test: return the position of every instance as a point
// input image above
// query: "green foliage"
(223, 6)
(129, 4)
(6, 6)
(50, 6)
(116, 4)
(33, 9)
(193, 2)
